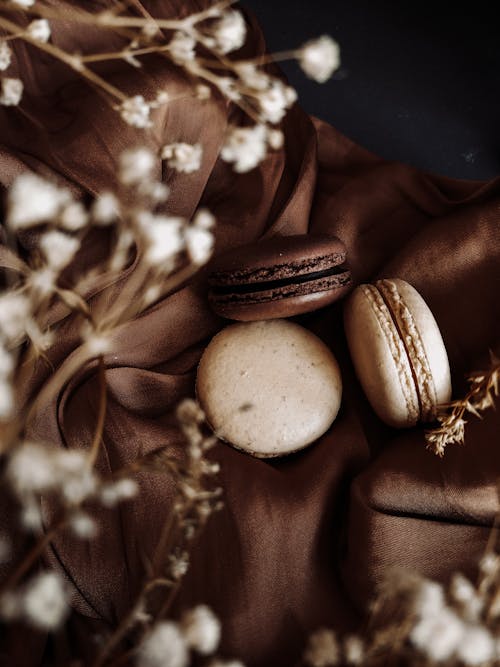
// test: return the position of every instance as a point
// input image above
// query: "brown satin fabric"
(302, 540)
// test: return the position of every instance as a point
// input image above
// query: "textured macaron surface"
(269, 387)
(292, 268)
(398, 352)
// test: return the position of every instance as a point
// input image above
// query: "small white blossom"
(476, 646)
(157, 192)
(58, 248)
(77, 481)
(275, 138)
(113, 493)
(15, 312)
(83, 525)
(136, 165)
(12, 91)
(319, 58)
(43, 281)
(182, 47)
(201, 629)
(199, 244)
(429, 598)
(32, 469)
(323, 649)
(229, 32)
(183, 157)
(437, 635)
(275, 101)
(164, 646)
(245, 147)
(204, 219)
(105, 209)
(354, 650)
(24, 3)
(31, 516)
(39, 30)
(46, 601)
(98, 343)
(74, 217)
(32, 200)
(135, 111)
(463, 592)
(228, 87)
(489, 564)
(226, 663)
(6, 400)
(5, 55)
(252, 77)
(164, 237)
(179, 565)
(202, 92)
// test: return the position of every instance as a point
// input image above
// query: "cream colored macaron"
(270, 387)
(397, 351)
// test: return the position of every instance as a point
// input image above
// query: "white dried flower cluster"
(246, 147)
(11, 92)
(319, 58)
(5, 55)
(24, 3)
(182, 48)
(168, 644)
(323, 649)
(33, 200)
(183, 157)
(135, 111)
(35, 469)
(39, 29)
(113, 493)
(228, 33)
(43, 602)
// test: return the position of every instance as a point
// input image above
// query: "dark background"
(419, 81)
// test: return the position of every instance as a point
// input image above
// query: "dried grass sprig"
(484, 388)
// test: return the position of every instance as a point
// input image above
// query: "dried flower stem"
(483, 390)
(96, 442)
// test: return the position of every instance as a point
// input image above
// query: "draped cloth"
(302, 540)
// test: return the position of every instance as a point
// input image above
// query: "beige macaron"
(268, 388)
(397, 351)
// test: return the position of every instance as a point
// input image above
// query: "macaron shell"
(380, 358)
(271, 304)
(432, 354)
(269, 387)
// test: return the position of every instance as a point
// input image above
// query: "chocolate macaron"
(398, 352)
(278, 277)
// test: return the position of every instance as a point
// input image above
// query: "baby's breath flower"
(229, 32)
(183, 157)
(476, 646)
(11, 93)
(319, 58)
(354, 650)
(105, 209)
(164, 646)
(32, 200)
(114, 492)
(463, 592)
(428, 599)
(31, 516)
(201, 629)
(98, 343)
(5, 55)
(83, 525)
(34, 468)
(15, 312)
(252, 77)
(164, 237)
(58, 248)
(136, 165)
(437, 635)
(323, 649)
(179, 565)
(45, 601)
(182, 47)
(24, 3)
(275, 138)
(275, 101)
(245, 147)
(199, 244)
(489, 564)
(135, 111)
(39, 30)
(74, 217)
(204, 219)
(202, 92)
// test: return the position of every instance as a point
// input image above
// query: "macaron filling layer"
(265, 285)
(395, 315)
